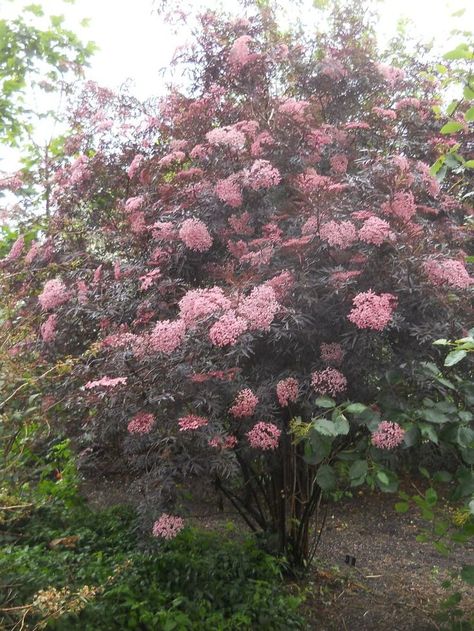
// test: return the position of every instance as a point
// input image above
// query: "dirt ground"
(396, 583)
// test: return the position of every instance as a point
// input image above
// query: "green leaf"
(465, 437)
(402, 507)
(383, 477)
(454, 357)
(342, 425)
(468, 93)
(467, 574)
(358, 470)
(460, 52)
(451, 128)
(469, 164)
(326, 478)
(433, 416)
(355, 408)
(469, 115)
(451, 107)
(325, 402)
(325, 427)
(431, 496)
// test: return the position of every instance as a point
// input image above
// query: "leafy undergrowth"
(78, 569)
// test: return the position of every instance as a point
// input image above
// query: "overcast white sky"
(135, 43)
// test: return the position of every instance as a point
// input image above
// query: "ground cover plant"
(236, 278)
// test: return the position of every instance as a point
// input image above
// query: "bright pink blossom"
(244, 404)
(341, 234)
(339, 163)
(32, 253)
(53, 295)
(328, 381)
(175, 157)
(375, 231)
(264, 436)
(240, 54)
(167, 526)
(332, 353)
(229, 191)
(372, 311)
(294, 109)
(227, 330)
(48, 328)
(135, 165)
(167, 336)
(223, 442)
(149, 278)
(191, 422)
(447, 272)
(259, 308)
(388, 435)
(106, 382)
(200, 303)
(141, 423)
(16, 250)
(310, 181)
(287, 391)
(226, 136)
(262, 175)
(281, 284)
(133, 204)
(195, 235)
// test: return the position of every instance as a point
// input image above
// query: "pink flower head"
(167, 336)
(264, 139)
(340, 234)
(229, 191)
(16, 250)
(332, 353)
(149, 278)
(371, 311)
(328, 381)
(388, 435)
(133, 204)
(339, 163)
(135, 166)
(227, 330)
(375, 231)
(281, 284)
(262, 175)
(195, 235)
(402, 206)
(175, 157)
(106, 382)
(264, 436)
(259, 308)
(48, 328)
(310, 181)
(240, 223)
(227, 137)
(223, 442)
(200, 303)
(287, 391)
(244, 404)
(33, 253)
(191, 422)
(53, 295)
(163, 231)
(391, 74)
(294, 109)
(447, 272)
(240, 54)
(168, 526)
(141, 423)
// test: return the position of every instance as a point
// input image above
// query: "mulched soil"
(395, 584)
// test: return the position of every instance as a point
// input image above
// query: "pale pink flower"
(226, 136)
(372, 311)
(106, 382)
(82, 292)
(310, 181)
(149, 278)
(97, 275)
(135, 166)
(133, 204)
(264, 436)
(391, 74)
(384, 113)
(200, 303)
(227, 330)
(141, 423)
(264, 139)
(339, 163)
(375, 231)
(191, 422)
(328, 381)
(163, 230)
(33, 252)
(402, 206)
(167, 336)
(195, 235)
(447, 272)
(229, 191)
(407, 102)
(53, 295)
(262, 175)
(175, 157)
(388, 435)
(223, 442)
(430, 182)
(244, 404)
(259, 308)
(167, 526)
(287, 391)
(240, 54)
(48, 328)
(332, 353)
(310, 226)
(281, 284)
(294, 109)
(16, 250)
(340, 234)
(240, 223)
(338, 278)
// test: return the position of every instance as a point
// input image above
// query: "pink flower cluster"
(191, 422)
(229, 191)
(287, 391)
(48, 329)
(262, 175)
(447, 272)
(200, 303)
(167, 336)
(240, 223)
(223, 442)
(310, 181)
(339, 163)
(375, 231)
(195, 235)
(244, 404)
(227, 137)
(132, 204)
(227, 329)
(340, 234)
(328, 381)
(135, 165)
(281, 284)
(149, 278)
(174, 157)
(106, 382)
(16, 250)
(372, 311)
(163, 231)
(332, 353)
(168, 526)
(259, 308)
(402, 206)
(388, 435)
(391, 74)
(295, 109)
(264, 139)
(264, 436)
(141, 423)
(240, 54)
(53, 295)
